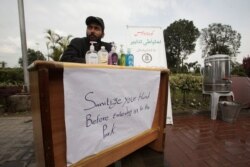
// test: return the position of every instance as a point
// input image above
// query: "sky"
(67, 17)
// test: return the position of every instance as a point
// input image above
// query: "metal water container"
(216, 74)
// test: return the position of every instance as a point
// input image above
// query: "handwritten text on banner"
(104, 107)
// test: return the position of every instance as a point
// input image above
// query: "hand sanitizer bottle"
(129, 58)
(103, 56)
(91, 55)
(122, 57)
(113, 56)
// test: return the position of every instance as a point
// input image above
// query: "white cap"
(92, 47)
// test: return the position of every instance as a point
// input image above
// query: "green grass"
(193, 102)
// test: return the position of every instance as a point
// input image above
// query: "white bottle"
(103, 56)
(91, 55)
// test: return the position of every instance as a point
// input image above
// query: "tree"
(193, 67)
(56, 44)
(3, 64)
(238, 69)
(180, 38)
(32, 55)
(246, 65)
(219, 39)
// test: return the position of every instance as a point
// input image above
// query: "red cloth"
(241, 90)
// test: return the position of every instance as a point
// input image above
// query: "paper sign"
(147, 46)
(104, 107)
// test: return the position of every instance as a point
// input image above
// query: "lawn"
(186, 93)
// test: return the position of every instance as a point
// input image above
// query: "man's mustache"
(92, 35)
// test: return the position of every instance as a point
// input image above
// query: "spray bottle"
(129, 58)
(103, 56)
(91, 55)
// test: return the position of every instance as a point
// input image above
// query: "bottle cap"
(113, 47)
(121, 50)
(129, 50)
(92, 47)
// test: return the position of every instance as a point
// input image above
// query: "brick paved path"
(16, 142)
(193, 140)
(196, 140)
(17, 150)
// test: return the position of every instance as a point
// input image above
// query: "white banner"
(104, 107)
(147, 46)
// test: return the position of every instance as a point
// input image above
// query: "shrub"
(11, 77)
(246, 65)
(186, 92)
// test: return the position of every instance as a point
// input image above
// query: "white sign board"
(104, 107)
(147, 46)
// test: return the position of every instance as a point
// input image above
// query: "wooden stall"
(47, 101)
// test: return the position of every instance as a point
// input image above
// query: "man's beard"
(93, 37)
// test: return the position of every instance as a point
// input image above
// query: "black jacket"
(78, 47)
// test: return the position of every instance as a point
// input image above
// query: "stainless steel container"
(230, 110)
(216, 74)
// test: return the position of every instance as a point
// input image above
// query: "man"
(78, 47)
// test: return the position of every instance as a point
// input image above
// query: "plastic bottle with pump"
(129, 58)
(113, 56)
(91, 55)
(122, 57)
(103, 55)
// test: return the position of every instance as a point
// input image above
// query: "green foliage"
(11, 77)
(186, 82)
(237, 69)
(2, 64)
(32, 55)
(246, 65)
(186, 92)
(193, 67)
(180, 38)
(56, 44)
(219, 39)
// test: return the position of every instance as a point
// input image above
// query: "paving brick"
(16, 141)
(14, 164)
(193, 141)
(207, 142)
